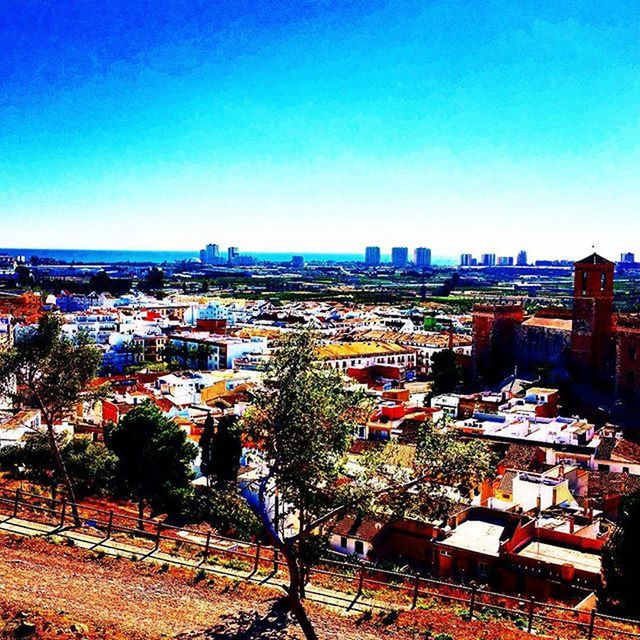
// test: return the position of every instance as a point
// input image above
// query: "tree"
(154, 279)
(225, 510)
(49, 371)
(100, 282)
(154, 458)
(621, 562)
(303, 421)
(24, 276)
(220, 450)
(445, 371)
(206, 444)
(91, 465)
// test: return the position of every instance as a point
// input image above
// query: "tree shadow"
(276, 624)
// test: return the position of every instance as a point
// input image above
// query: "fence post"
(158, 536)
(472, 601)
(592, 623)
(256, 562)
(110, 524)
(63, 511)
(205, 555)
(416, 587)
(360, 582)
(16, 502)
(532, 604)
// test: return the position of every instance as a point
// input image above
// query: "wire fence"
(346, 582)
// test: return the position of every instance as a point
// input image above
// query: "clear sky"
(321, 125)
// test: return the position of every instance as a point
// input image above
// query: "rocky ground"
(55, 591)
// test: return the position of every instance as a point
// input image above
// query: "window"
(604, 467)
(483, 569)
(603, 282)
(584, 282)
(359, 547)
(343, 542)
(625, 469)
(631, 351)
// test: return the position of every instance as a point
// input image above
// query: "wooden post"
(416, 587)
(276, 556)
(205, 555)
(360, 582)
(532, 603)
(472, 601)
(592, 623)
(63, 512)
(158, 532)
(16, 502)
(256, 562)
(110, 524)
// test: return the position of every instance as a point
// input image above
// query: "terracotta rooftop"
(365, 529)
(360, 349)
(560, 324)
(621, 450)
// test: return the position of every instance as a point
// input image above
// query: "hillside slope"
(67, 592)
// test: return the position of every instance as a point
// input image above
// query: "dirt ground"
(54, 591)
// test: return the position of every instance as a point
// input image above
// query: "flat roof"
(556, 554)
(476, 535)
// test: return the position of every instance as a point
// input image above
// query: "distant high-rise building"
(372, 256)
(505, 261)
(297, 262)
(466, 259)
(399, 257)
(212, 254)
(627, 257)
(522, 260)
(488, 259)
(422, 257)
(203, 256)
(232, 254)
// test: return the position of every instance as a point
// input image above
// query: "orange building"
(26, 307)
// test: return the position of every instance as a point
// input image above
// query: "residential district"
(546, 362)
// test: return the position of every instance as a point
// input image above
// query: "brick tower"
(494, 328)
(592, 333)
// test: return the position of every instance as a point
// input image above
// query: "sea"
(113, 256)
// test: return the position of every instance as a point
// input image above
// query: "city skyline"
(313, 124)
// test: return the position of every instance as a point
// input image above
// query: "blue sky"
(321, 125)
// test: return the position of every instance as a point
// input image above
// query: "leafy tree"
(90, 464)
(206, 447)
(304, 419)
(225, 510)
(621, 562)
(51, 372)
(220, 450)
(153, 279)
(24, 276)
(445, 371)
(100, 282)
(154, 459)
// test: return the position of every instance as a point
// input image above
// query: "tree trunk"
(141, 514)
(295, 594)
(62, 470)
